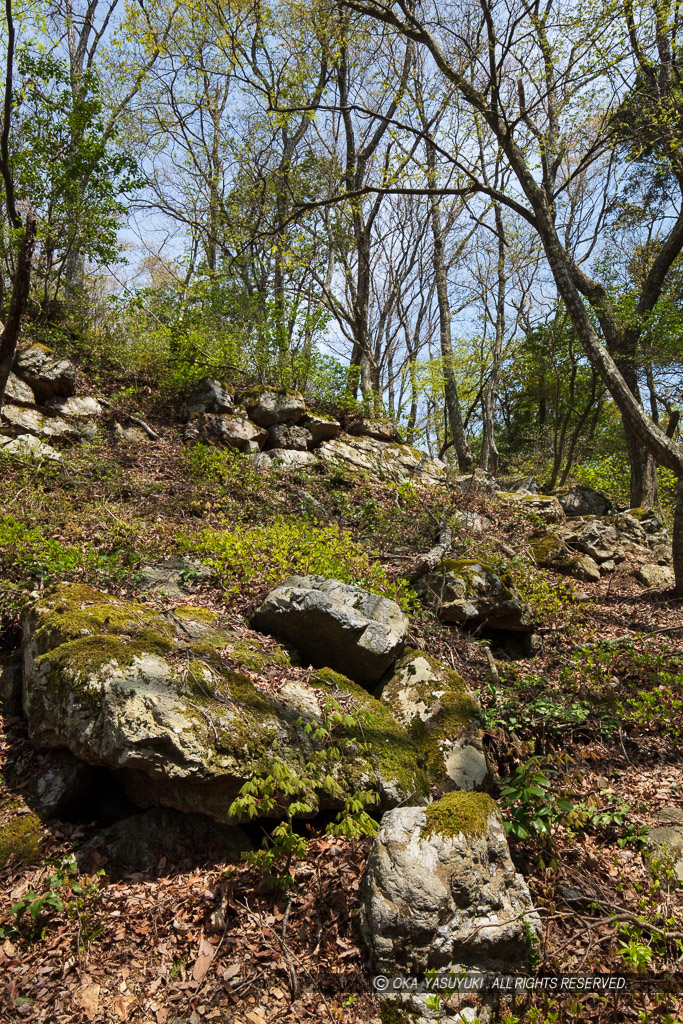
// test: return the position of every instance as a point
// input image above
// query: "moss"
(391, 752)
(459, 813)
(204, 615)
(548, 548)
(461, 565)
(77, 661)
(22, 836)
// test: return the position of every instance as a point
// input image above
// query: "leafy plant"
(531, 809)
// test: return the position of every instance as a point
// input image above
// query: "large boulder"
(267, 406)
(380, 429)
(17, 392)
(320, 426)
(583, 501)
(44, 372)
(442, 718)
(186, 711)
(550, 552)
(336, 625)
(283, 459)
(208, 396)
(472, 594)
(440, 891)
(223, 429)
(289, 436)
(544, 507)
(396, 463)
(81, 407)
(22, 419)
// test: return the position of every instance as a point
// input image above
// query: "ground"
(599, 705)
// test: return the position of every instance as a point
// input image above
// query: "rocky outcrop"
(283, 459)
(443, 721)
(440, 891)
(379, 429)
(224, 429)
(321, 427)
(26, 446)
(336, 625)
(544, 507)
(396, 463)
(550, 552)
(635, 535)
(208, 397)
(267, 406)
(17, 392)
(155, 698)
(472, 594)
(285, 435)
(583, 501)
(44, 372)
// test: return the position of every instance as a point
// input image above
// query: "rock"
(170, 702)
(131, 435)
(583, 501)
(664, 850)
(597, 538)
(174, 577)
(283, 459)
(221, 428)
(470, 593)
(81, 408)
(63, 784)
(17, 392)
(208, 396)
(652, 575)
(321, 427)
(10, 684)
(44, 372)
(284, 435)
(550, 552)
(336, 625)
(440, 891)
(266, 406)
(19, 419)
(139, 842)
(443, 720)
(26, 446)
(546, 508)
(397, 463)
(477, 483)
(474, 522)
(379, 429)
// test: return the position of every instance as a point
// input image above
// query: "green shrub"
(290, 546)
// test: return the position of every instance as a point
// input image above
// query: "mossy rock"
(471, 593)
(443, 721)
(184, 709)
(460, 813)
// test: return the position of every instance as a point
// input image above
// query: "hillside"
(496, 674)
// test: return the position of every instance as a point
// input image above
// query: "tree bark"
(18, 302)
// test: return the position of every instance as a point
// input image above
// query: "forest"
(341, 510)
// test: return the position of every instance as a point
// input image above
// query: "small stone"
(26, 446)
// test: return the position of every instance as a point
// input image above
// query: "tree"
(529, 74)
(24, 230)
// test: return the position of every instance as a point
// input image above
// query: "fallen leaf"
(203, 961)
(123, 1005)
(88, 998)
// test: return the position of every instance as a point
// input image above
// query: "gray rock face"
(336, 625)
(175, 577)
(208, 396)
(156, 698)
(21, 419)
(223, 429)
(443, 719)
(550, 552)
(652, 575)
(635, 535)
(283, 459)
(292, 437)
(584, 501)
(26, 446)
(10, 685)
(474, 522)
(444, 898)
(380, 429)
(396, 463)
(17, 392)
(478, 482)
(545, 508)
(269, 407)
(321, 428)
(470, 593)
(79, 407)
(44, 372)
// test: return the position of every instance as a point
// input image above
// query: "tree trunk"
(488, 459)
(18, 301)
(454, 413)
